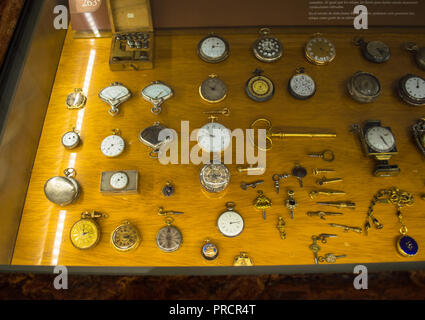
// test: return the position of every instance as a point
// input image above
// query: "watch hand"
(158, 95)
(384, 141)
(232, 222)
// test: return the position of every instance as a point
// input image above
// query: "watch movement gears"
(213, 89)
(213, 49)
(301, 86)
(411, 89)
(214, 177)
(259, 88)
(320, 51)
(267, 48)
(364, 87)
(375, 51)
(126, 237)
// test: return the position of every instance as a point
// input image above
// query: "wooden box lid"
(130, 15)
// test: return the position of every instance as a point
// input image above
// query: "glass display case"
(90, 181)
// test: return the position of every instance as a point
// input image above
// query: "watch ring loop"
(70, 172)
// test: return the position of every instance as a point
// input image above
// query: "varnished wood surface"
(43, 238)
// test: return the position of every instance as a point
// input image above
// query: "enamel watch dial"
(213, 89)
(113, 145)
(62, 190)
(214, 177)
(418, 52)
(76, 99)
(126, 237)
(380, 139)
(374, 51)
(364, 87)
(259, 88)
(320, 51)
(71, 139)
(266, 48)
(407, 246)
(302, 86)
(213, 49)
(411, 89)
(85, 233)
(230, 223)
(214, 137)
(156, 93)
(209, 251)
(114, 95)
(119, 180)
(169, 238)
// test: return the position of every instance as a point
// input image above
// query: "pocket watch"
(154, 137)
(266, 48)
(418, 130)
(85, 233)
(126, 237)
(419, 53)
(319, 50)
(364, 87)
(374, 51)
(169, 238)
(213, 89)
(214, 177)
(213, 137)
(259, 88)
(114, 95)
(123, 181)
(113, 145)
(379, 143)
(411, 89)
(209, 250)
(157, 93)
(230, 223)
(213, 49)
(76, 99)
(71, 139)
(62, 190)
(301, 85)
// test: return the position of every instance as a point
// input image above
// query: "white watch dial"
(302, 85)
(230, 223)
(415, 86)
(112, 146)
(119, 180)
(213, 47)
(70, 139)
(157, 91)
(114, 92)
(380, 139)
(214, 137)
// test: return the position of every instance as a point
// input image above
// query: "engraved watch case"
(214, 177)
(62, 190)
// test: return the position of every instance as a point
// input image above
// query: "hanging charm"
(262, 203)
(281, 227)
(406, 245)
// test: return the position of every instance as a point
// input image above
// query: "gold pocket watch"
(213, 49)
(411, 89)
(301, 86)
(85, 233)
(71, 139)
(259, 88)
(76, 99)
(267, 48)
(126, 237)
(213, 89)
(374, 51)
(364, 87)
(169, 238)
(214, 177)
(419, 53)
(319, 50)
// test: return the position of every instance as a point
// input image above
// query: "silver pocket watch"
(364, 87)
(157, 93)
(114, 95)
(62, 190)
(301, 86)
(71, 139)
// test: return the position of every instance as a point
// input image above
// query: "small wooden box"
(132, 35)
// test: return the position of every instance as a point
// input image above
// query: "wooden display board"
(43, 237)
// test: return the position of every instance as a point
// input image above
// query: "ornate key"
(317, 171)
(314, 193)
(346, 228)
(276, 179)
(326, 155)
(331, 258)
(262, 203)
(324, 180)
(224, 112)
(322, 214)
(253, 185)
(291, 203)
(299, 172)
(162, 212)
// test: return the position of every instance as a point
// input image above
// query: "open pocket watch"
(419, 53)
(169, 238)
(126, 237)
(114, 95)
(319, 50)
(156, 136)
(230, 223)
(157, 93)
(364, 87)
(259, 88)
(113, 145)
(411, 89)
(213, 49)
(213, 89)
(267, 48)
(301, 86)
(214, 177)
(85, 233)
(374, 51)
(62, 190)
(418, 130)
(71, 139)
(76, 99)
